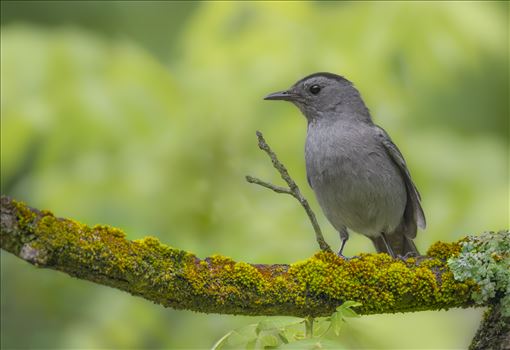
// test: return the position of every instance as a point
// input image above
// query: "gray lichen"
(486, 260)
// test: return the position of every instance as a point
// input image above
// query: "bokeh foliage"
(142, 115)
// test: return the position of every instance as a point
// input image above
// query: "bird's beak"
(281, 95)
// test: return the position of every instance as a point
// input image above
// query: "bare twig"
(277, 189)
(293, 190)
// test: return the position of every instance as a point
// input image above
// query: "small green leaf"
(269, 340)
(348, 304)
(264, 325)
(300, 335)
(321, 325)
(277, 323)
(223, 340)
(283, 337)
(337, 322)
(348, 312)
(237, 338)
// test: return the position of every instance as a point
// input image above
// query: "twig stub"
(292, 190)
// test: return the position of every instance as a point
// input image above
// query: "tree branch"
(178, 279)
(494, 331)
(293, 190)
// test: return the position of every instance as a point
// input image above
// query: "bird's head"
(323, 95)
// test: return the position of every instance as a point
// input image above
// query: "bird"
(358, 174)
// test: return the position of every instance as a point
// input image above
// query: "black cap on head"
(326, 75)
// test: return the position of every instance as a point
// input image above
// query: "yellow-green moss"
(179, 279)
(444, 251)
(380, 283)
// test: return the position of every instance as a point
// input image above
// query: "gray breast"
(356, 183)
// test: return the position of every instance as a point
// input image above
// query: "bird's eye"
(315, 89)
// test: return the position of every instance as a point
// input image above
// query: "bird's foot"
(407, 256)
(347, 258)
(340, 255)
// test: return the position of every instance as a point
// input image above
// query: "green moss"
(26, 219)
(108, 230)
(379, 282)
(179, 279)
(444, 251)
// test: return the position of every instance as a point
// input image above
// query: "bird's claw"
(407, 256)
(340, 255)
(346, 258)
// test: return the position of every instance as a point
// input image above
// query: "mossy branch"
(178, 279)
(292, 190)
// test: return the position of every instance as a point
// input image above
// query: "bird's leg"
(344, 236)
(410, 247)
(388, 247)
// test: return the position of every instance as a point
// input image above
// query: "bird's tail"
(400, 245)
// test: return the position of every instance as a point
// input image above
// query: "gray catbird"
(359, 176)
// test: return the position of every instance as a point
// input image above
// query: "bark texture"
(494, 331)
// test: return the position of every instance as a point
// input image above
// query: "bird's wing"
(309, 181)
(413, 195)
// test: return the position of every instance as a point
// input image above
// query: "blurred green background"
(142, 115)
